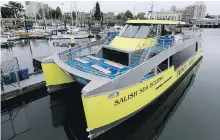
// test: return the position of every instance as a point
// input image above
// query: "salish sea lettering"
(138, 92)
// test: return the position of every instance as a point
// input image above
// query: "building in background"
(206, 22)
(173, 8)
(33, 7)
(84, 15)
(184, 15)
(189, 13)
(164, 15)
(197, 10)
(109, 16)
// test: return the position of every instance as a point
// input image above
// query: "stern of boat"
(55, 77)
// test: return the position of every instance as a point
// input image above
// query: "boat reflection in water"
(147, 124)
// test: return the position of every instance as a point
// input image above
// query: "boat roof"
(155, 22)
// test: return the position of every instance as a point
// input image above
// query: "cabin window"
(167, 29)
(178, 29)
(131, 31)
(137, 30)
(162, 66)
(179, 58)
(143, 31)
(116, 56)
(196, 46)
(153, 32)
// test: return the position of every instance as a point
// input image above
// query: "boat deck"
(98, 66)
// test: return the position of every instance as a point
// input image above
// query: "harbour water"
(189, 112)
(26, 50)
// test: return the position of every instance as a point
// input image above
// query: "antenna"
(152, 6)
(151, 11)
(134, 10)
(145, 10)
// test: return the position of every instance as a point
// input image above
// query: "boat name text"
(137, 92)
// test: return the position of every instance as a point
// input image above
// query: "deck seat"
(124, 69)
(113, 71)
(101, 69)
(103, 65)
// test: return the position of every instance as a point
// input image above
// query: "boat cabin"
(135, 39)
(137, 42)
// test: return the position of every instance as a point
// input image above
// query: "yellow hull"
(54, 75)
(24, 34)
(102, 110)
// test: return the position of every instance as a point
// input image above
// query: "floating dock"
(33, 37)
(13, 90)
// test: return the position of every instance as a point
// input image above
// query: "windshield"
(136, 31)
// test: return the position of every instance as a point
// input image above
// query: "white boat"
(4, 39)
(7, 36)
(72, 33)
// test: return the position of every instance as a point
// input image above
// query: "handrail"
(107, 40)
(92, 47)
(80, 50)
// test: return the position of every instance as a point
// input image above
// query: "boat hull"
(109, 109)
(56, 79)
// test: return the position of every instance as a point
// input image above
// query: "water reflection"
(147, 124)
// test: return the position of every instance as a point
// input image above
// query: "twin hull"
(106, 110)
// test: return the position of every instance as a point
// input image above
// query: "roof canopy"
(155, 22)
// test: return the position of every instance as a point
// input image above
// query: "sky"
(212, 7)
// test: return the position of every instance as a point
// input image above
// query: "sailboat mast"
(43, 8)
(34, 13)
(75, 6)
(76, 15)
(71, 12)
(2, 22)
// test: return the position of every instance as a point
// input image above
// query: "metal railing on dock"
(7, 67)
(16, 81)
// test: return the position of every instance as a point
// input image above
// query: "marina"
(38, 109)
(97, 75)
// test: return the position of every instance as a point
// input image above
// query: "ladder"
(145, 55)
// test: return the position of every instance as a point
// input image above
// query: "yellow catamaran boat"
(123, 76)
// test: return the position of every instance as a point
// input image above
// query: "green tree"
(53, 13)
(6, 12)
(16, 9)
(128, 15)
(97, 14)
(40, 13)
(74, 15)
(43, 12)
(47, 14)
(120, 16)
(67, 16)
(141, 15)
(58, 13)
